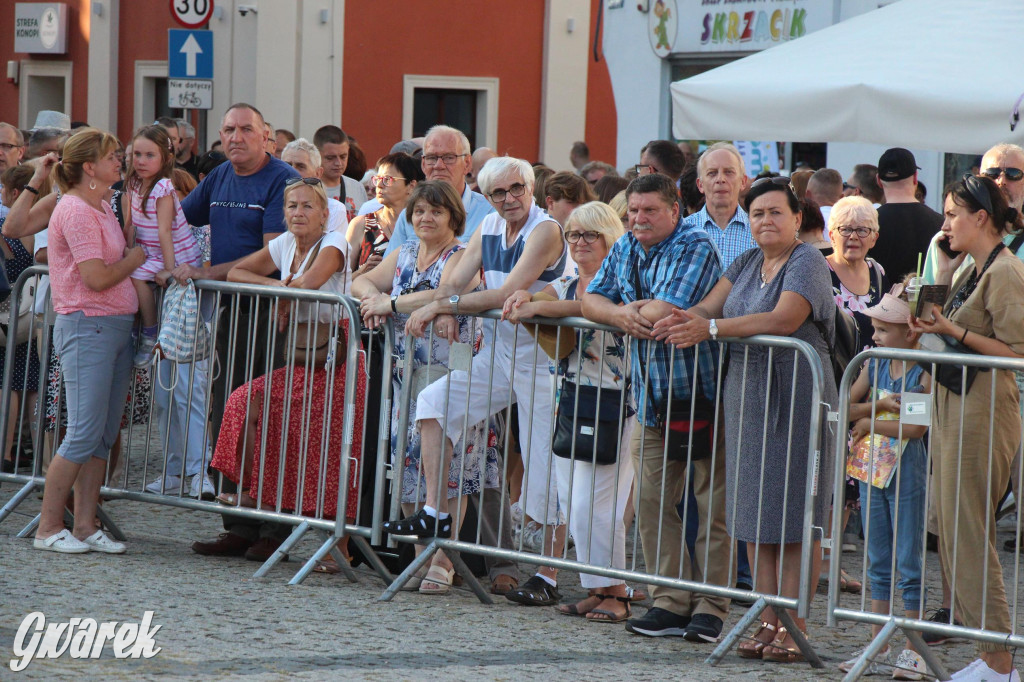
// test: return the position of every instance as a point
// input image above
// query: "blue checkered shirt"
(680, 270)
(730, 242)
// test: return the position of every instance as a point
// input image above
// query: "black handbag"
(951, 377)
(584, 420)
(680, 447)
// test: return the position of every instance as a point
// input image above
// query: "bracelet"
(32, 189)
(964, 336)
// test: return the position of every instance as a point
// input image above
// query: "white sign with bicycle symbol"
(189, 94)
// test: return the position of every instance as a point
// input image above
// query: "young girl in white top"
(160, 226)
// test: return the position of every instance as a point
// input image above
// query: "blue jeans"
(881, 527)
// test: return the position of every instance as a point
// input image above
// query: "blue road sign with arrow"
(189, 54)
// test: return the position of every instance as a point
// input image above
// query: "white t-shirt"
(355, 195)
(282, 252)
(40, 242)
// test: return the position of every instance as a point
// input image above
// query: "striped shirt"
(730, 242)
(681, 270)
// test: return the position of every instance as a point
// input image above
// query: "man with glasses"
(446, 157)
(660, 265)
(243, 203)
(721, 178)
(905, 225)
(863, 182)
(12, 148)
(661, 156)
(184, 157)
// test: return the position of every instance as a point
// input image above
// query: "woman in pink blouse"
(95, 304)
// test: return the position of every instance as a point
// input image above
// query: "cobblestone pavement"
(218, 622)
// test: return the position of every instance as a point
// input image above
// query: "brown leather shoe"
(225, 544)
(263, 549)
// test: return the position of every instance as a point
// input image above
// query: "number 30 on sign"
(192, 13)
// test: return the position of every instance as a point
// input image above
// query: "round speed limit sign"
(192, 13)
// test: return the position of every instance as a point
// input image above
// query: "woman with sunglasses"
(368, 235)
(976, 435)
(404, 282)
(307, 256)
(781, 288)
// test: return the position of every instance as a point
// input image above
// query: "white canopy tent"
(928, 74)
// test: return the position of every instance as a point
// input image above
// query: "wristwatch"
(454, 303)
(713, 330)
(394, 303)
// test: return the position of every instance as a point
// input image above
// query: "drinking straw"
(919, 264)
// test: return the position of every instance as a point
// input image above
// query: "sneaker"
(882, 664)
(144, 355)
(202, 488)
(533, 537)
(63, 542)
(658, 622)
(165, 485)
(910, 666)
(939, 616)
(99, 542)
(517, 515)
(703, 627)
(978, 671)
(225, 544)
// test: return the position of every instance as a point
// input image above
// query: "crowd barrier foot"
(410, 570)
(879, 643)
(30, 529)
(18, 498)
(283, 550)
(109, 524)
(799, 638)
(425, 556)
(468, 577)
(372, 559)
(928, 654)
(753, 615)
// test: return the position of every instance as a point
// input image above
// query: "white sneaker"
(978, 671)
(99, 542)
(202, 487)
(533, 537)
(63, 542)
(910, 666)
(144, 355)
(880, 666)
(517, 515)
(165, 485)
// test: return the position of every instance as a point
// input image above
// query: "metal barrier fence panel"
(958, 473)
(290, 417)
(509, 369)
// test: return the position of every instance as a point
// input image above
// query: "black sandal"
(535, 592)
(422, 525)
(611, 616)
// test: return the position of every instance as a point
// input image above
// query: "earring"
(92, 184)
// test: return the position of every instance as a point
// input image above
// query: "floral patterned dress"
(856, 304)
(475, 459)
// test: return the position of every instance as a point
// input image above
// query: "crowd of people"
(556, 436)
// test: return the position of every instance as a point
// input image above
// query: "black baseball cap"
(896, 164)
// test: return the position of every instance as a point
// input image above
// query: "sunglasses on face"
(305, 181)
(1012, 174)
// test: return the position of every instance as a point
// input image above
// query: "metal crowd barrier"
(770, 350)
(243, 327)
(970, 457)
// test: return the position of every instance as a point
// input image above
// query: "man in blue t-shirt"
(243, 203)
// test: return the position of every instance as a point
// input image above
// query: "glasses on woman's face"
(850, 230)
(517, 190)
(575, 235)
(385, 180)
(780, 180)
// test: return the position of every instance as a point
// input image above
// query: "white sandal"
(437, 581)
(63, 542)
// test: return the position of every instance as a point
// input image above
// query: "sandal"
(437, 580)
(328, 565)
(782, 654)
(635, 595)
(421, 525)
(535, 592)
(754, 647)
(607, 615)
(503, 584)
(242, 499)
(579, 608)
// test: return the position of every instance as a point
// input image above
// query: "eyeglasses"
(860, 231)
(7, 147)
(589, 236)
(978, 191)
(1012, 174)
(305, 181)
(424, 285)
(384, 180)
(498, 195)
(448, 159)
(780, 180)
(645, 169)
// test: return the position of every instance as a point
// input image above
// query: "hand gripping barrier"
(300, 434)
(970, 446)
(509, 368)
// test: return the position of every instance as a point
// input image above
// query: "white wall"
(101, 101)
(563, 108)
(639, 83)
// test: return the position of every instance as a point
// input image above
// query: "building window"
(45, 85)
(455, 108)
(468, 104)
